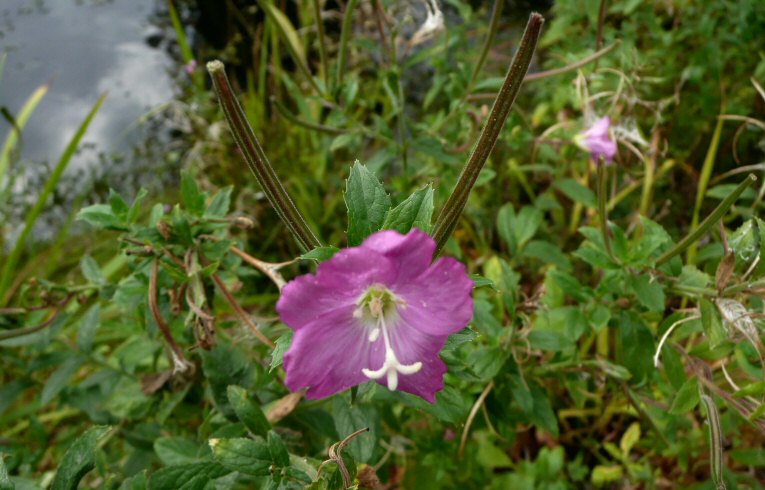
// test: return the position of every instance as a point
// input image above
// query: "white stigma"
(391, 367)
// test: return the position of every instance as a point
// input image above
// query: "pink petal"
(412, 253)
(337, 283)
(438, 302)
(328, 355)
(413, 345)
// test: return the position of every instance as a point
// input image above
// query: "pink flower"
(597, 141)
(190, 67)
(380, 311)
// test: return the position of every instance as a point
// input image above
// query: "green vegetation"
(616, 340)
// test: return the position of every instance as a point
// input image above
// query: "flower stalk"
(257, 160)
(450, 213)
(603, 209)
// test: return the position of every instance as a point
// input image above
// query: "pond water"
(82, 49)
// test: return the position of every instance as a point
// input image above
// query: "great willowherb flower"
(597, 141)
(380, 311)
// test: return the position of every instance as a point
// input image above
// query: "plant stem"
(701, 190)
(258, 161)
(710, 220)
(496, 12)
(322, 43)
(344, 36)
(450, 213)
(603, 209)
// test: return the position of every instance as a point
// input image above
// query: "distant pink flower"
(379, 311)
(597, 141)
(190, 67)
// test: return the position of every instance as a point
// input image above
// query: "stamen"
(391, 366)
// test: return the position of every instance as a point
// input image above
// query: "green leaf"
(243, 455)
(278, 450)
(79, 459)
(547, 253)
(101, 216)
(630, 438)
(5, 482)
(686, 399)
(350, 418)
(219, 204)
(248, 412)
(637, 346)
(602, 474)
(415, 211)
(176, 450)
(225, 365)
(455, 340)
(577, 192)
(648, 292)
(367, 203)
(135, 208)
(91, 271)
(194, 476)
(57, 381)
(712, 323)
(88, 327)
(479, 281)
(193, 200)
(282, 344)
(118, 205)
(320, 254)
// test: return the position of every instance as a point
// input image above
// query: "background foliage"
(155, 363)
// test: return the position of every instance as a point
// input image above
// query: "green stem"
(450, 213)
(701, 190)
(257, 160)
(603, 209)
(710, 220)
(286, 114)
(322, 43)
(496, 13)
(344, 36)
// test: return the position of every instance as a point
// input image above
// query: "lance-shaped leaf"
(452, 210)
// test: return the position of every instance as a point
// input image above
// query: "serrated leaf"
(415, 211)
(243, 455)
(455, 340)
(79, 459)
(686, 398)
(194, 476)
(248, 412)
(320, 254)
(282, 345)
(367, 204)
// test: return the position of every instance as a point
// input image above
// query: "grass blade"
(10, 263)
(12, 140)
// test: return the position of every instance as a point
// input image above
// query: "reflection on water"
(84, 48)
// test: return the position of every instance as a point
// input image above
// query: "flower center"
(379, 306)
